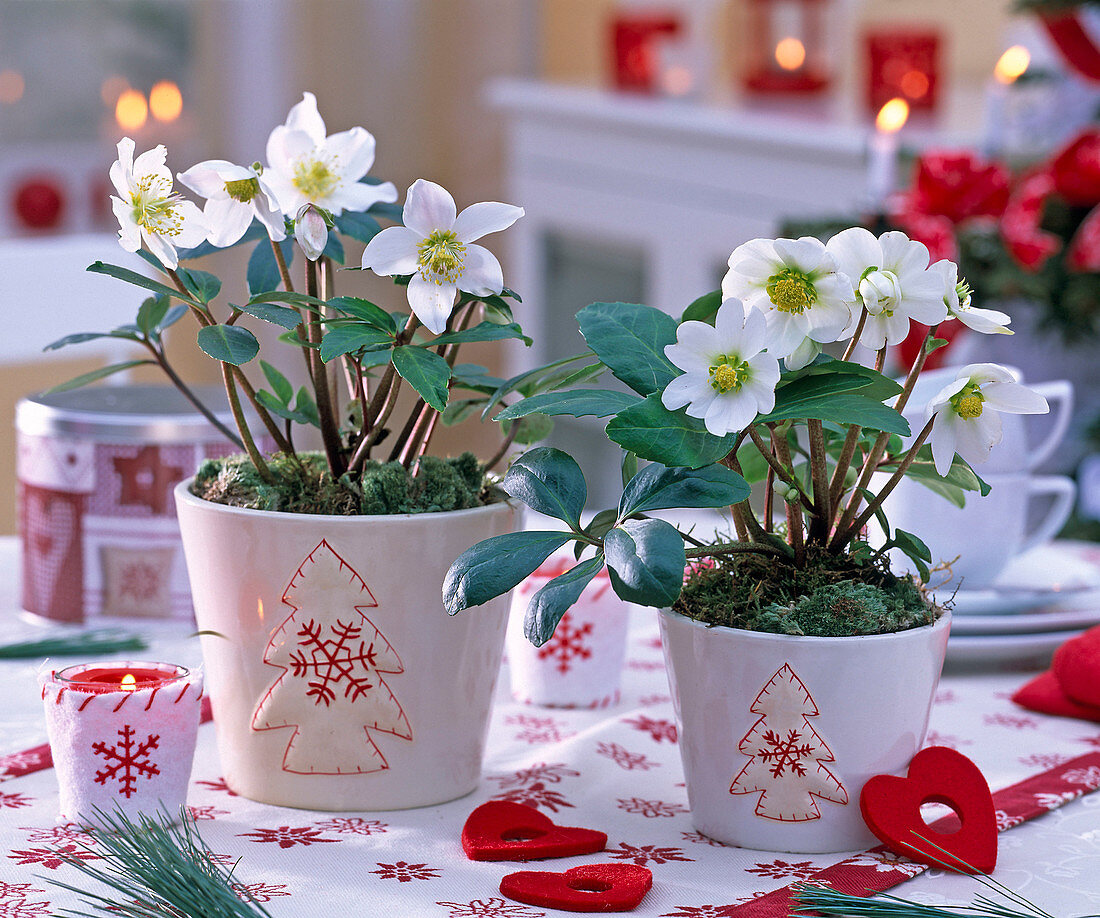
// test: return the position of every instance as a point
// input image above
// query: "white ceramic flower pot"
(337, 679)
(778, 734)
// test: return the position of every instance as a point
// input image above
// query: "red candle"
(97, 678)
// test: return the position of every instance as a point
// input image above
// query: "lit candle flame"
(892, 116)
(131, 110)
(260, 609)
(790, 54)
(1012, 64)
(129, 683)
(165, 101)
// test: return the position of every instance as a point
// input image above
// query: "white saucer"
(1084, 614)
(1032, 651)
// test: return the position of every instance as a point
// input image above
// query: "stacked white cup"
(979, 540)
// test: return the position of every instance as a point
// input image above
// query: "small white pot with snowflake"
(337, 679)
(581, 665)
(778, 734)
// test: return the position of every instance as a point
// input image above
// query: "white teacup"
(985, 534)
(1014, 453)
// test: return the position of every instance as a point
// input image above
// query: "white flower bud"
(311, 231)
(880, 291)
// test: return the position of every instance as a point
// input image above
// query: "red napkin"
(1071, 686)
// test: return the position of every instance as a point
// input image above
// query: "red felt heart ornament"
(891, 809)
(589, 888)
(504, 831)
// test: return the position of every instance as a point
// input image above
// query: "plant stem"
(769, 497)
(850, 349)
(284, 271)
(819, 521)
(794, 509)
(840, 473)
(330, 434)
(774, 464)
(246, 436)
(733, 548)
(509, 439)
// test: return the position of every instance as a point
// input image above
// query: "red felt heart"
(891, 809)
(589, 888)
(1076, 665)
(503, 831)
(1045, 695)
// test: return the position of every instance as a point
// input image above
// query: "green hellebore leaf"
(494, 566)
(425, 371)
(228, 343)
(631, 339)
(549, 481)
(577, 403)
(659, 488)
(646, 559)
(668, 437)
(551, 602)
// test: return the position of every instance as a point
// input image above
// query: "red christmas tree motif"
(126, 760)
(787, 757)
(567, 643)
(332, 659)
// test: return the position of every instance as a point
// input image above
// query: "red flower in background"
(1076, 169)
(1030, 245)
(959, 186)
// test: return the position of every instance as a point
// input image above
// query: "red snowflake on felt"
(14, 801)
(699, 838)
(404, 872)
(645, 854)
(489, 908)
(127, 760)
(657, 729)
(206, 812)
(260, 892)
(567, 644)
(536, 795)
(538, 729)
(1014, 721)
(14, 904)
(286, 837)
(778, 869)
(52, 858)
(219, 785)
(353, 825)
(539, 772)
(624, 758)
(650, 808)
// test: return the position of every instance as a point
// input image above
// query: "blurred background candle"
(122, 736)
(882, 156)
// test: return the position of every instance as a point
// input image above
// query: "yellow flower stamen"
(967, 404)
(243, 190)
(728, 374)
(154, 206)
(791, 291)
(315, 178)
(441, 257)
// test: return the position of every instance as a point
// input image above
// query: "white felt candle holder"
(122, 748)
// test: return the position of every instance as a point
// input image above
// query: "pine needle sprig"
(104, 640)
(156, 867)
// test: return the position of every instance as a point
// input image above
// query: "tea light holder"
(122, 735)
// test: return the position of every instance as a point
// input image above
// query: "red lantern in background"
(903, 63)
(38, 203)
(636, 41)
(787, 50)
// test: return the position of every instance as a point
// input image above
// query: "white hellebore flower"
(307, 167)
(234, 195)
(957, 300)
(434, 246)
(797, 286)
(728, 376)
(966, 412)
(148, 210)
(893, 283)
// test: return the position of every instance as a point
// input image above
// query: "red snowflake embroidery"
(353, 825)
(538, 729)
(539, 772)
(644, 854)
(260, 892)
(934, 738)
(326, 662)
(206, 812)
(1087, 740)
(14, 801)
(52, 858)
(567, 644)
(219, 785)
(786, 752)
(1044, 760)
(699, 838)
(287, 837)
(1005, 821)
(884, 861)
(404, 872)
(657, 729)
(57, 835)
(625, 759)
(946, 696)
(14, 904)
(536, 795)
(140, 581)
(1086, 777)
(20, 763)
(126, 761)
(646, 666)
(704, 911)
(650, 808)
(649, 701)
(778, 869)
(1014, 721)
(489, 908)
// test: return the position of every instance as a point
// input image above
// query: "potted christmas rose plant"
(336, 680)
(800, 664)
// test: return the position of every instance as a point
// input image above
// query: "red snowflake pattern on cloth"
(705, 911)
(286, 837)
(52, 858)
(536, 795)
(14, 801)
(14, 904)
(206, 812)
(21, 763)
(883, 861)
(646, 854)
(353, 825)
(1044, 760)
(625, 759)
(934, 738)
(698, 838)
(489, 908)
(219, 785)
(777, 869)
(1005, 821)
(650, 808)
(945, 696)
(649, 701)
(567, 644)
(1088, 777)
(404, 872)
(538, 729)
(539, 772)
(645, 666)
(260, 892)
(657, 729)
(1012, 721)
(1087, 740)
(127, 760)
(58, 835)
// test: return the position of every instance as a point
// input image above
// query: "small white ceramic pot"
(778, 734)
(338, 681)
(582, 664)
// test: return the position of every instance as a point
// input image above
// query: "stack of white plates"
(1042, 599)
